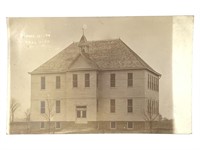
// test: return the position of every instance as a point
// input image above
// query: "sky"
(33, 41)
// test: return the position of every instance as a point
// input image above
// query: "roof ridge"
(115, 39)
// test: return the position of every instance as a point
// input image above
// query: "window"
(130, 125)
(42, 107)
(57, 82)
(112, 80)
(57, 106)
(149, 106)
(148, 82)
(157, 107)
(57, 125)
(75, 80)
(112, 105)
(42, 82)
(112, 125)
(153, 107)
(153, 83)
(97, 105)
(97, 80)
(87, 80)
(130, 105)
(81, 111)
(42, 126)
(130, 79)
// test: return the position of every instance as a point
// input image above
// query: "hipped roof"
(106, 54)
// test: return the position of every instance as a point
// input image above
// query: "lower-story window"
(130, 125)
(42, 125)
(113, 125)
(57, 125)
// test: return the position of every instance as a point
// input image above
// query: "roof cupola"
(83, 44)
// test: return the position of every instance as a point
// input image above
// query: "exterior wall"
(121, 113)
(121, 89)
(81, 91)
(81, 95)
(50, 92)
(37, 116)
(71, 109)
(121, 92)
(149, 93)
(121, 125)
(71, 97)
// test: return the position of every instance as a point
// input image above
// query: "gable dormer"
(82, 62)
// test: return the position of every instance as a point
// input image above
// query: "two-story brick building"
(95, 84)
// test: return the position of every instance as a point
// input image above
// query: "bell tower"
(83, 44)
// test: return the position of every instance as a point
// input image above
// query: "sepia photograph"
(91, 75)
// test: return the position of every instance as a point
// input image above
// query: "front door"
(81, 114)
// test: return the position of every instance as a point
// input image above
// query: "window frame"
(97, 105)
(87, 80)
(132, 125)
(148, 81)
(56, 123)
(42, 125)
(112, 80)
(42, 83)
(112, 106)
(115, 125)
(130, 106)
(58, 107)
(42, 108)
(74, 80)
(130, 79)
(58, 82)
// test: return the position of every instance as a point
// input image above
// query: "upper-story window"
(112, 80)
(112, 105)
(87, 80)
(97, 80)
(42, 82)
(153, 83)
(57, 82)
(130, 105)
(57, 106)
(130, 79)
(75, 80)
(42, 107)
